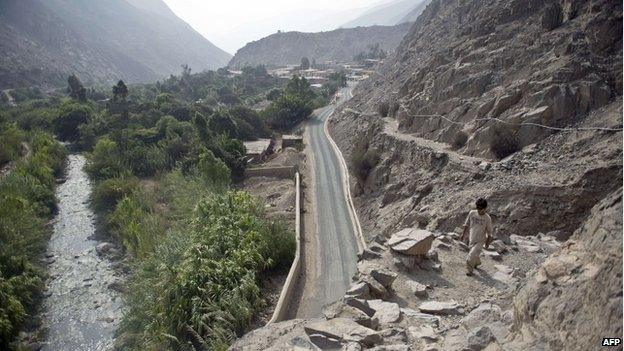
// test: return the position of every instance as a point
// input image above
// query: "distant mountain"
(43, 41)
(412, 16)
(389, 14)
(342, 44)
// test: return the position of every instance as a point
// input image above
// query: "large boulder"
(344, 329)
(484, 313)
(359, 290)
(386, 312)
(411, 241)
(384, 276)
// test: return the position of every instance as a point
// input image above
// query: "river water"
(80, 311)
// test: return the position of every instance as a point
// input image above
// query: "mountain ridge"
(44, 42)
(285, 48)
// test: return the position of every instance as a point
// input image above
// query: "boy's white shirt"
(479, 226)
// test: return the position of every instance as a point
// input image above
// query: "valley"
(314, 191)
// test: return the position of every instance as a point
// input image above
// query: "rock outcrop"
(575, 298)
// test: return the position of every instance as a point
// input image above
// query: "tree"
(299, 87)
(294, 105)
(305, 63)
(221, 123)
(120, 91)
(71, 116)
(186, 71)
(76, 89)
(212, 169)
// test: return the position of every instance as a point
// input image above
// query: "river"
(80, 311)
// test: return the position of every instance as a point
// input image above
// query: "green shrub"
(146, 161)
(105, 161)
(107, 193)
(71, 116)
(201, 285)
(10, 144)
(26, 202)
(383, 108)
(136, 226)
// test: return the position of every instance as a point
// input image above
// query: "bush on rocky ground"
(363, 160)
(503, 141)
(383, 108)
(460, 139)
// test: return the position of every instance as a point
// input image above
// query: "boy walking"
(480, 225)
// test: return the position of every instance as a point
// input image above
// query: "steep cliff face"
(342, 44)
(42, 42)
(464, 63)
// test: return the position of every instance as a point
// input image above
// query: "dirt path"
(391, 127)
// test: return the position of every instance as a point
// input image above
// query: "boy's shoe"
(469, 274)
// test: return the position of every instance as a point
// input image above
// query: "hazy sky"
(230, 24)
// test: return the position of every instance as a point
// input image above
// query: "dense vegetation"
(163, 157)
(31, 160)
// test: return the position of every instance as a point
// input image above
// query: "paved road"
(335, 242)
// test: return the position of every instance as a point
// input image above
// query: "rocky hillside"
(519, 102)
(461, 66)
(342, 44)
(388, 14)
(410, 293)
(42, 42)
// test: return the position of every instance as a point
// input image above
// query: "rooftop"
(257, 147)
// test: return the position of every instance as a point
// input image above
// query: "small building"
(258, 150)
(291, 141)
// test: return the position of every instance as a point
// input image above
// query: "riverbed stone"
(419, 317)
(423, 332)
(376, 288)
(104, 248)
(483, 314)
(367, 254)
